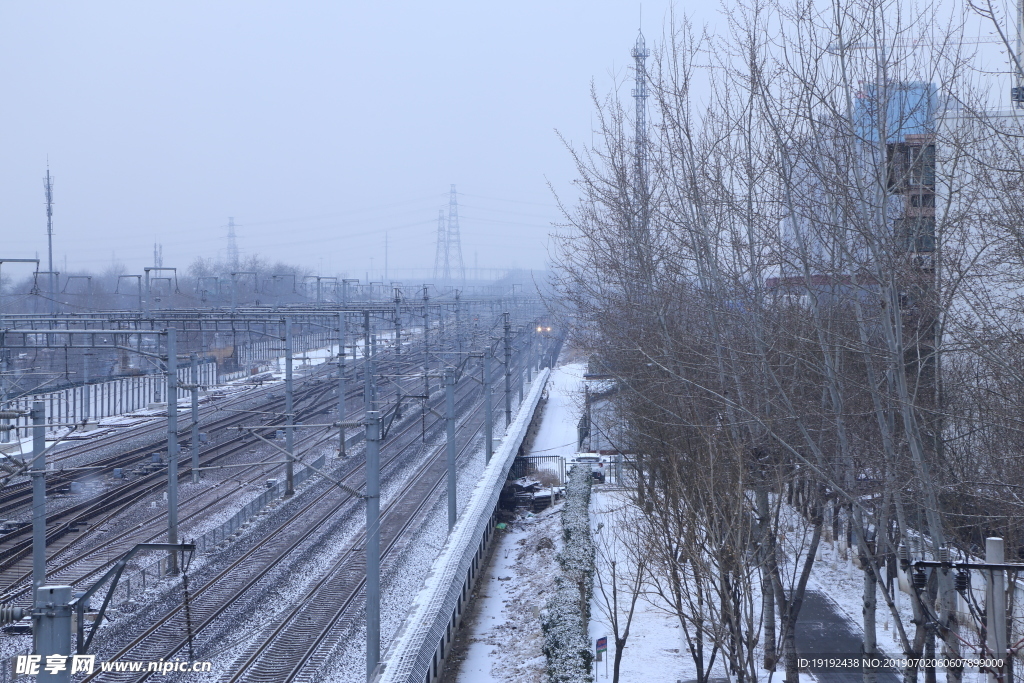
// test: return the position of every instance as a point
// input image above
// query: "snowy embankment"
(504, 634)
(504, 631)
(436, 611)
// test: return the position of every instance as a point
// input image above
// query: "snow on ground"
(655, 651)
(504, 630)
(557, 433)
(504, 635)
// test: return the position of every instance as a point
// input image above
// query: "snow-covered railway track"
(300, 640)
(82, 557)
(80, 563)
(255, 570)
(105, 509)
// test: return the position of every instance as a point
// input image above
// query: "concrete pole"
(398, 323)
(426, 346)
(38, 494)
(508, 372)
(367, 369)
(488, 408)
(172, 447)
(342, 335)
(5, 436)
(148, 297)
(289, 487)
(458, 323)
(995, 605)
(52, 629)
(86, 394)
(234, 288)
(195, 417)
(528, 358)
(521, 376)
(449, 410)
(372, 542)
(366, 339)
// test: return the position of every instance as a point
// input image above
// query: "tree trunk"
(870, 642)
(620, 645)
(789, 650)
(910, 672)
(767, 587)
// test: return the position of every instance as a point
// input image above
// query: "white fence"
(110, 398)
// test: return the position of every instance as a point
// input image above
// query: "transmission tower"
(458, 268)
(442, 269)
(232, 246)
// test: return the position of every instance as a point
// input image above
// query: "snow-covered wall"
(418, 652)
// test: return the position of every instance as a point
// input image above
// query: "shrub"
(566, 637)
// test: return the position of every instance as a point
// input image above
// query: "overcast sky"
(317, 125)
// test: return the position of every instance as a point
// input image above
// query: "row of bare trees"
(204, 283)
(811, 299)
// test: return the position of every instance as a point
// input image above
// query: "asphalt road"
(822, 632)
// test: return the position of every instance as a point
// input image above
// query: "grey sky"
(317, 125)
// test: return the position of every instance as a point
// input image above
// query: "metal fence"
(548, 469)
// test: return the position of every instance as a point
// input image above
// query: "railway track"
(89, 562)
(210, 604)
(17, 545)
(303, 639)
(107, 508)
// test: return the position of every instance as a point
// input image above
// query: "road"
(821, 631)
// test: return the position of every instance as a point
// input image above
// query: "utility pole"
(195, 417)
(449, 409)
(372, 542)
(5, 435)
(458, 319)
(51, 627)
(488, 408)
(289, 417)
(366, 338)
(521, 375)
(367, 369)
(145, 310)
(172, 448)
(398, 321)
(86, 396)
(49, 236)
(341, 382)
(528, 357)
(508, 371)
(426, 343)
(995, 606)
(38, 495)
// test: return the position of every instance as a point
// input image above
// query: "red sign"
(602, 644)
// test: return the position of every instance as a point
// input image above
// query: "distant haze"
(317, 126)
